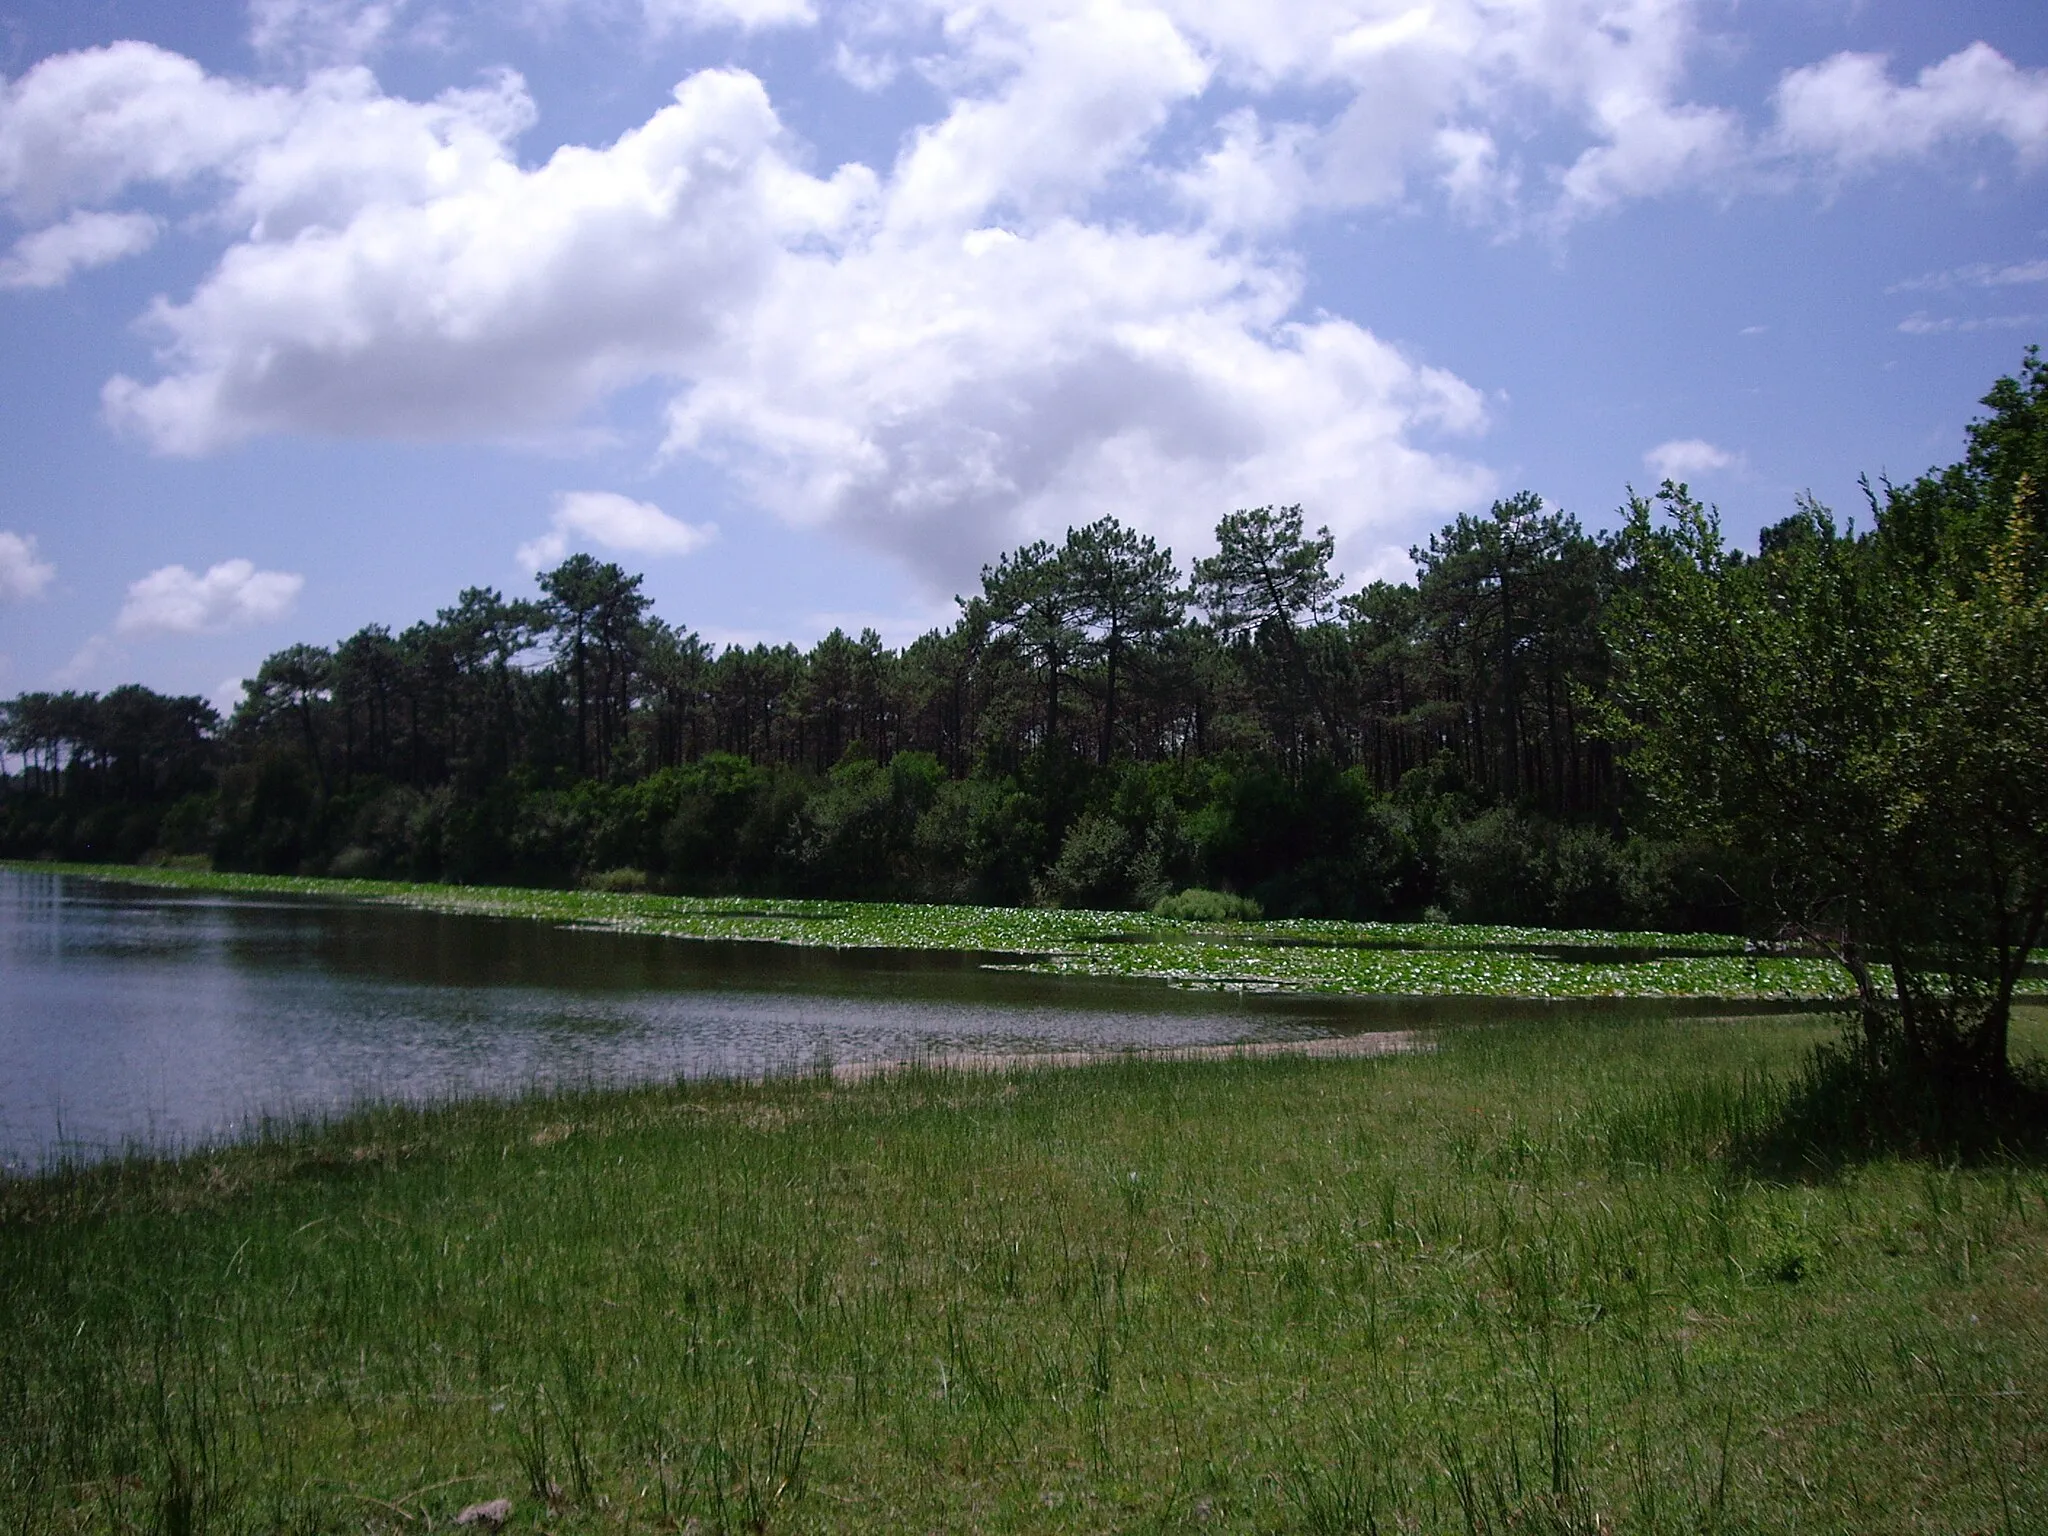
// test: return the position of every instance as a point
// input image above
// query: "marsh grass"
(1522, 1283)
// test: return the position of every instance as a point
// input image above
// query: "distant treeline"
(1099, 727)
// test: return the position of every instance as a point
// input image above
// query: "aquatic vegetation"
(1311, 955)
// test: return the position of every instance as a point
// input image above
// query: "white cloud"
(1982, 274)
(83, 127)
(504, 302)
(1928, 325)
(1438, 90)
(2017, 272)
(47, 257)
(948, 398)
(1082, 94)
(864, 71)
(1684, 457)
(22, 575)
(231, 595)
(227, 694)
(872, 353)
(320, 32)
(747, 15)
(1070, 293)
(98, 655)
(1847, 111)
(1256, 178)
(615, 522)
(1652, 147)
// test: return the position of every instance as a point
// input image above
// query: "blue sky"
(313, 312)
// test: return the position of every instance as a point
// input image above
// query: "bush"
(1195, 905)
(977, 843)
(1588, 880)
(856, 835)
(711, 818)
(1495, 868)
(1093, 870)
(354, 863)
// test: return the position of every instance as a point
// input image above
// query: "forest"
(1102, 726)
(1099, 727)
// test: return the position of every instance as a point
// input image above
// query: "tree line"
(1099, 724)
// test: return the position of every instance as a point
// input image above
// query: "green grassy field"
(1412, 959)
(1533, 1280)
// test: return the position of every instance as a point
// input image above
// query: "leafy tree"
(368, 674)
(484, 637)
(1511, 603)
(130, 744)
(1866, 717)
(1268, 579)
(295, 681)
(596, 611)
(1129, 597)
(676, 667)
(1031, 597)
(841, 699)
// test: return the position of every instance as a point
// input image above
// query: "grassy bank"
(1413, 959)
(1533, 1280)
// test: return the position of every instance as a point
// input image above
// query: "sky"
(315, 312)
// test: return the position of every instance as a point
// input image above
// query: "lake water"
(131, 1016)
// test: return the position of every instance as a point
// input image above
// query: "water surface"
(134, 1016)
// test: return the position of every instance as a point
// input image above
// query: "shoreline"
(1335, 1048)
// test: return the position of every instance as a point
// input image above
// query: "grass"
(1529, 1281)
(1410, 959)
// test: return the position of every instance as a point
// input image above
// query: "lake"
(148, 1018)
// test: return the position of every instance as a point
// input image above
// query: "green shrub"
(1094, 869)
(1199, 906)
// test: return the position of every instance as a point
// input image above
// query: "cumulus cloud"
(947, 399)
(83, 127)
(1652, 147)
(613, 522)
(936, 360)
(1069, 293)
(231, 595)
(1257, 178)
(1431, 94)
(48, 257)
(22, 575)
(1684, 457)
(504, 302)
(1848, 111)
(1081, 95)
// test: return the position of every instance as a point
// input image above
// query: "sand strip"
(1382, 1043)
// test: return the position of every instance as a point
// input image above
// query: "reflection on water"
(138, 1016)
(130, 1015)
